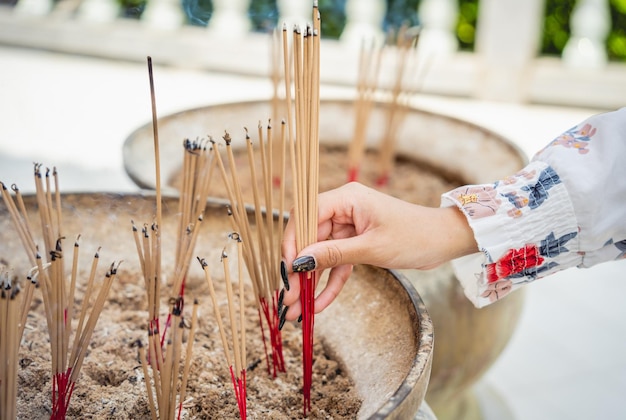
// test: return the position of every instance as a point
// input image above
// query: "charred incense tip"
(14, 187)
(202, 262)
(227, 138)
(253, 365)
(224, 254)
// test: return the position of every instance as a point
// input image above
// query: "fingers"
(337, 279)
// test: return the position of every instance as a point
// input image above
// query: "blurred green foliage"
(264, 17)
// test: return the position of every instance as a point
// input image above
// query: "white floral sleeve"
(566, 208)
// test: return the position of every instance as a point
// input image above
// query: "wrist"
(457, 233)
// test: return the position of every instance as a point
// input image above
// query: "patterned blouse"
(566, 208)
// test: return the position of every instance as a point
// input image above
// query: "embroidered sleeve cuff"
(525, 227)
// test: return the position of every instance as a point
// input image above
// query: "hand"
(359, 225)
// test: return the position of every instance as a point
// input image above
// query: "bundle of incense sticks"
(236, 360)
(58, 295)
(398, 104)
(165, 356)
(261, 251)
(10, 307)
(368, 71)
(304, 150)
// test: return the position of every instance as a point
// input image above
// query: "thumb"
(331, 253)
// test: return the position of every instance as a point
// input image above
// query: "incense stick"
(165, 351)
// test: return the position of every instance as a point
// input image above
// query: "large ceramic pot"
(388, 358)
(469, 340)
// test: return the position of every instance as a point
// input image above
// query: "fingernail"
(283, 274)
(281, 296)
(282, 318)
(304, 263)
(300, 318)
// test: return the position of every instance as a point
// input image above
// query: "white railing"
(505, 65)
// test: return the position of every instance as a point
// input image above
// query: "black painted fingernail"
(281, 296)
(300, 318)
(283, 274)
(304, 263)
(282, 318)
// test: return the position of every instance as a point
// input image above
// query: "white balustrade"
(504, 66)
(590, 25)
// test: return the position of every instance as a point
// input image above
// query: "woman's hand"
(359, 225)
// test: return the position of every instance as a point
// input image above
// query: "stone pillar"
(294, 13)
(590, 24)
(364, 22)
(33, 7)
(98, 11)
(438, 20)
(507, 41)
(230, 18)
(164, 14)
